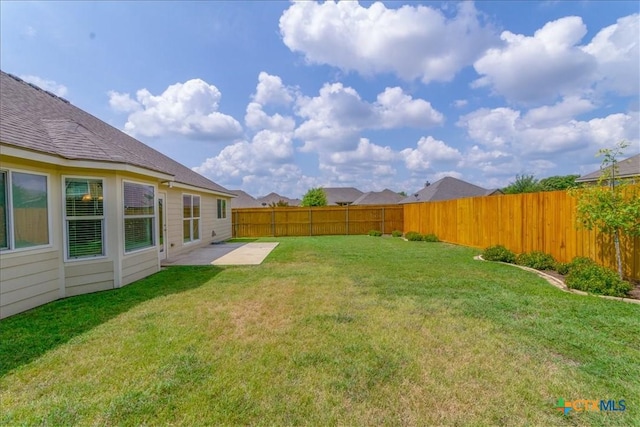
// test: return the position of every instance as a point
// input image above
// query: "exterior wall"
(139, 265)
(212, 229)
(32, 277)
(29, 280)
(87, 277)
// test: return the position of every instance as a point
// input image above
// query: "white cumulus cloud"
(411, 41)
(189, 109)
(539, 68)
(334, 119)
(428, 153)
(537, 133)
(617, 50)
(270, 90)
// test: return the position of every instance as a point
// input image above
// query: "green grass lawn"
(327, 331)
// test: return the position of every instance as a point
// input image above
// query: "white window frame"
(66, 219)
(125, 217)
(221, 205)
(9, 201)
(199, 218)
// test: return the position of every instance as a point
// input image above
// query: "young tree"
(612, 206)
(314, 197)
(522, 184)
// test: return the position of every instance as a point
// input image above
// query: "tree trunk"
(616, 243)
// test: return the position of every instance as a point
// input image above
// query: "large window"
(84, 217)
(222, 208)
(190, 217)
(24, 210)
(139, 213)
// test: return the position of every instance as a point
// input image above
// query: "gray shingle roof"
(384, 197)
(244, 200)
(341, 195)
(34, 119)
(626, 168)
(447, 188)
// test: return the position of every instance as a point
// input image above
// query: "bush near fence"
(544, 221)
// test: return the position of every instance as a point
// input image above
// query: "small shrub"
(562, 268)
(499, 253)
(375, 233)
(413, 236)
(430, 238)
(536, 259)
(396, 233)
(586, 275)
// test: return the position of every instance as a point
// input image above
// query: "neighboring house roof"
(341, 195)
(244, 200)
(34, 119)
(626, 168)
(448, 188)
(275, 198)
(384, 197)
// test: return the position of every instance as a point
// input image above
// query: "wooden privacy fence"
(316, 221)
(544, 221)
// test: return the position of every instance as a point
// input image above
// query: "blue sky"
(279, 96)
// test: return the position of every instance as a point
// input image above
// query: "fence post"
(382, 228)
(347, 217)
(310, 222)
(273, 222)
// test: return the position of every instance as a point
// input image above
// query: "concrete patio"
(224, 254)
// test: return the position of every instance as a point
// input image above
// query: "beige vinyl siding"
(208, 222)
(222, 226)
(83, 278)
(28, 280)
(139, 265)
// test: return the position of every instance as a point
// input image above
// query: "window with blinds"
(139, 214)
(84, 217)
(190, 218)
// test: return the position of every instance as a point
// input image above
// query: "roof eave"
(55, 160)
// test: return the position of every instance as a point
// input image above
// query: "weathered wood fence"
(316, 221)
(543, 221)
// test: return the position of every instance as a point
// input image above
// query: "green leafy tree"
(555, 183)
(612, 206)
(314, 197)
(403, 193)
(522, 184)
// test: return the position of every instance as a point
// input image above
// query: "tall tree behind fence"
(316, 221)
(544, 221)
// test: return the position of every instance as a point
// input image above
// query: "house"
(448, 188)
(626, 169)
(244, 200)
(85, 207)
(384, 197)
(272, 199)
(341, 196)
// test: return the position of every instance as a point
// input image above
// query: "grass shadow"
(27, 336)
